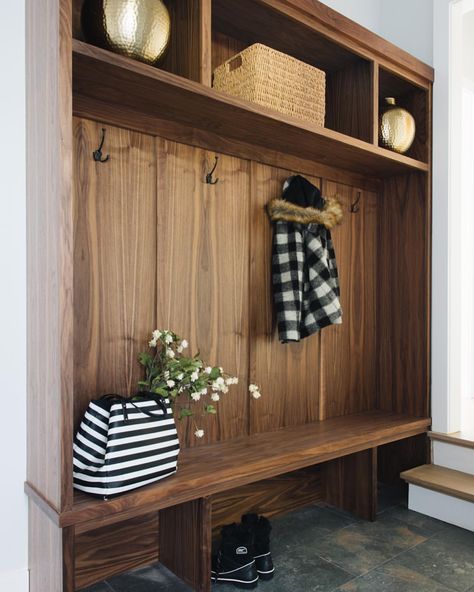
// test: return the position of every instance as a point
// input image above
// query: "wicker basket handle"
(234, 63)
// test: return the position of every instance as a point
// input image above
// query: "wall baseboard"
(443, 507)
(15, 581)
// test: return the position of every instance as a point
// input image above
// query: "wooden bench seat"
(207, 470)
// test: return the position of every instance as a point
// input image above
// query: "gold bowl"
(139, 29)
(397, 127)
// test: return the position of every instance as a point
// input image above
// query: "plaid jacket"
(305, 279)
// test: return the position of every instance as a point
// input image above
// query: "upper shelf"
(132, 89)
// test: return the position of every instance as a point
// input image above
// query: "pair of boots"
(244, 555)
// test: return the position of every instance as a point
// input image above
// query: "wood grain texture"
(288, 374)
(270, 497)
(115, 261)
(246, 460)
(110, 550)
(99, 73)
(76, 19)
(351, 483)
(349, 101)
(403, 305)
(185, 542)
(129, 119)
(442, 480)
(349, 351)
(202, 277)
(49, 249)
(224, 47)
(395, 457)
(188, 53)
(51, 557)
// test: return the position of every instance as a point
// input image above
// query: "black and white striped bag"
(124, 443)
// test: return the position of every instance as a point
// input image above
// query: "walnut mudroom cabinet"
(118, 248)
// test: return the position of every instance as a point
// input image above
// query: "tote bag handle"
(124, 402)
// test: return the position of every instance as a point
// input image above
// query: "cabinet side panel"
(403, 275)
(349, 350)
(202, 253)
(49, 249)
(287, 373)
(114, 258)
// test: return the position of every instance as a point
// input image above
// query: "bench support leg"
(350, 483)
(185, 542)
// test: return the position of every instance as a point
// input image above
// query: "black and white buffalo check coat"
(305, 279)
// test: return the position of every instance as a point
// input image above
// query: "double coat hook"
(97, 154)
(209, 179)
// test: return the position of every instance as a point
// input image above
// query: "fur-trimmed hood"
(329, 216)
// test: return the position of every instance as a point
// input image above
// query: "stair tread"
(443, 480)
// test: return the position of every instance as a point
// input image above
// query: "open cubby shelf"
(144, 91)
(141, 241)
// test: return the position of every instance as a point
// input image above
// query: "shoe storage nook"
(119, 248)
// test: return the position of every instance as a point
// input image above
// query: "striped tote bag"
(125, 443)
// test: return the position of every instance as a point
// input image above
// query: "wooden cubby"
(118, 249)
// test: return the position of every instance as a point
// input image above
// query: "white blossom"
(180, 376)
(221, 369)
(207, 369)
(203, 392)
(215, 397)
(199, 433)
(170, 383)
(156, 334)
(170, 353)
(168, 338)
(184, 344)
(194, 376)
(196, 396)
(224, 389)
(256, 395)
(253, 388)
(166, 375)
(179, 349)
(152, 343)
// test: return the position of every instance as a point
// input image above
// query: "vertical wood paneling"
(349, 351)
(203, 252)
(113, 549)
(49, 249)
(115, 260)
(403, 319)
(224, 47)
(288, 374)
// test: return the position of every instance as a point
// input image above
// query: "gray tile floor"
(320, 549)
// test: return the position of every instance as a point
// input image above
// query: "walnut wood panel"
(203, 260)
(129, 119)
(76, 19)
(110, 550)
(51, 553)
(403, 304)
(349, 105)
(400, 456)
(288, 374)
(139, 87)
(189, 51)
(114, 260)
(334, 28)
(351, 483)
(349, 350)
(246, 460)
(270, 497)
(224, 48)
(185, 542)
(49, 250)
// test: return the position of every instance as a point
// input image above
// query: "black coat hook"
(209, 179)
(97, 154)
(355, 207)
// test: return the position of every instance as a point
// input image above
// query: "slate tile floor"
(321, 549)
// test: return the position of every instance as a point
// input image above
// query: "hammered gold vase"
(139, 29)
(397, 127)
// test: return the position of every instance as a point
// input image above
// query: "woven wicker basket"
(270, 78)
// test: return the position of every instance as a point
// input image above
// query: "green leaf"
(215, 373)
(211, 409)
(185, 413)
(145, 359)
(160, 391)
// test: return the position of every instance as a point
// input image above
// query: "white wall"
(13, 512)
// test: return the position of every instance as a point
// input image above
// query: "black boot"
(234, 563)
(260, 528)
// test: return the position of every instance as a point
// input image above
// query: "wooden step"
(443, 480)
(464, 439)
(215, 468)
